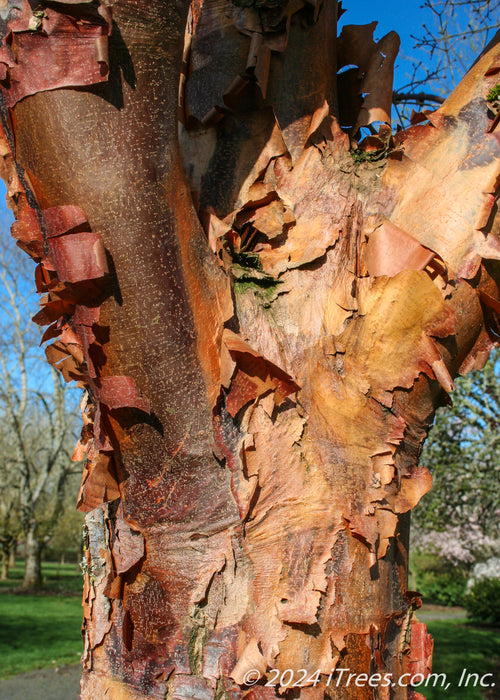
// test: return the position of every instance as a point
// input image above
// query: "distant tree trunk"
(4, 575)
(8, 548)
(59, 565)
(260, 384)
(32, 559)
(12, 555)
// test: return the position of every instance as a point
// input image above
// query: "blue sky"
(403, 16)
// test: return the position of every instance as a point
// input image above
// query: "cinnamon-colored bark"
(264, 324)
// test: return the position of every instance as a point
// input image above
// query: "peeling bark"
(264, 324)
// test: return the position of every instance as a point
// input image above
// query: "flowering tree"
(264, 313)
(462, 453)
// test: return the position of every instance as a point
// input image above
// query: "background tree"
(265, 318)
(10, 528)
(462, 453)
(65, 544)
(454, 33)
(38, 424)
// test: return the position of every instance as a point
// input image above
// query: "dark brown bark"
(259, 387)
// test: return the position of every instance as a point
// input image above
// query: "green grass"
(38, 631)
(43, 629)
(458, 645)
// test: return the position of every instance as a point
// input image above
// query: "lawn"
(40, 630)
(458, 646)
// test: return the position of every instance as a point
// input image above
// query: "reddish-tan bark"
(259, 384)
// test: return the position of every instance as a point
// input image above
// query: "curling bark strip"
(263, 325)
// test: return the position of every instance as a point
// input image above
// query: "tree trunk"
(32, 559)
(7, 545)
(59, 565)
(259, 387)
(4, 575)
(12, 555)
